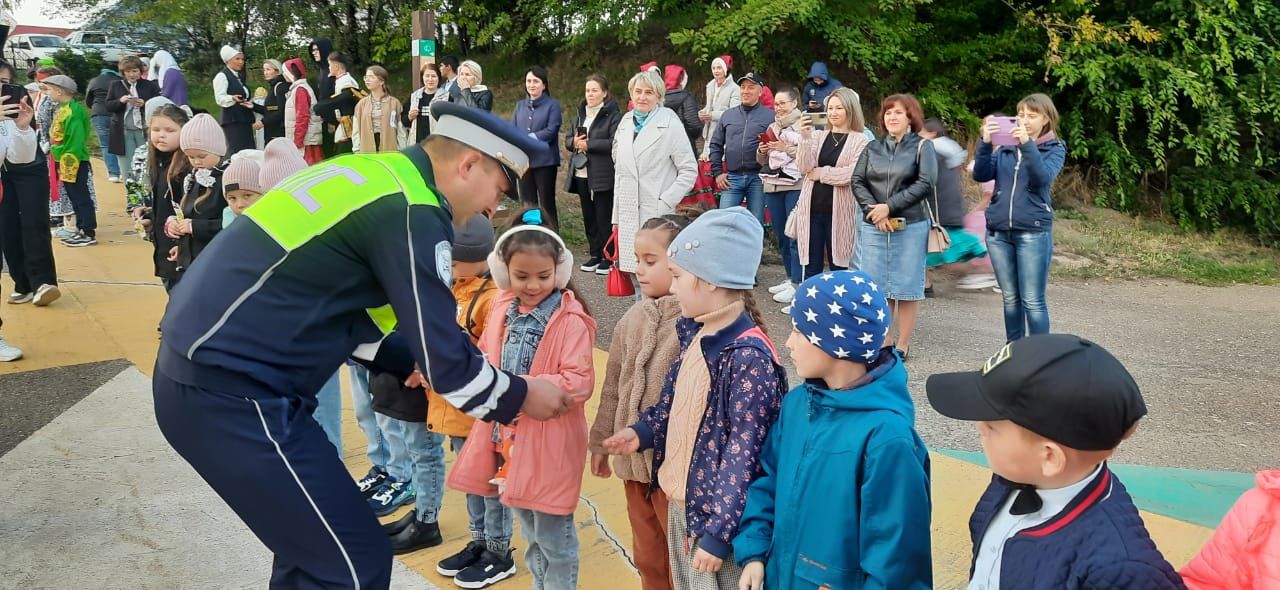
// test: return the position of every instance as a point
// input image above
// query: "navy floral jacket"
(746, 395)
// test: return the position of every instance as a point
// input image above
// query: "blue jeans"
(399, 457)
(132, 139)
(490, 522)
(819, 245)
(780, 207)
(552, 555)
(362, 403)
(425, 451)
(1021, 263)
(328, 411)
(102, 127)
(744, 187)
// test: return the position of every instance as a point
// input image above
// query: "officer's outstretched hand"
(544, 400)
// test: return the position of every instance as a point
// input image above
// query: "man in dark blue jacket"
(1051, 409)
(734, 145)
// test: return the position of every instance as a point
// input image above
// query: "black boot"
(418, 535)
(394, 528)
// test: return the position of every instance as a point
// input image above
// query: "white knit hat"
(203, 132)
(280, 161)
(228, 52)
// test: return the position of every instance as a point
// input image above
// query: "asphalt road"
(1207, 359)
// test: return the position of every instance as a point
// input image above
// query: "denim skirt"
(895, 260)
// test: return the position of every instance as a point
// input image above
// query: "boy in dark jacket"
(843, 501)
(1051, 409)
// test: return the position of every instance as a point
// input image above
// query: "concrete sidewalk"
(98, 499)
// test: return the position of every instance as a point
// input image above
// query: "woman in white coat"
(654, 166)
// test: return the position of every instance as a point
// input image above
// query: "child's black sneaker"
(393, 494)
(490, 569)
(371, 481)
(450, 566)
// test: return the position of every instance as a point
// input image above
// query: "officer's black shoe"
(418, 535)
(393, 528)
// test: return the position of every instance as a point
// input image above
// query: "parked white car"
(24, 51)
(110, 48)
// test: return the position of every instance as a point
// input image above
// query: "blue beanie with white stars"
(843, 313)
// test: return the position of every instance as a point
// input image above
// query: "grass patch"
(1096, 243)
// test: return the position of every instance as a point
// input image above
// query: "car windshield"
(47, 41)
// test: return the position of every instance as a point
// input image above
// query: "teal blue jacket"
(844, 498)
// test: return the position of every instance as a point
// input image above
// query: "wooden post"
(423, 44)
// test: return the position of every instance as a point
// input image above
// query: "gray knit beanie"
(474, 241)
(721, 247)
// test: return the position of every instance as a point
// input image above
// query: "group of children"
(732, 481)
(182, 189)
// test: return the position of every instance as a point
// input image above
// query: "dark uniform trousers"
(270, 461)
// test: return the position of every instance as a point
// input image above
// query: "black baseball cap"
(752, 76)
(1062, 387)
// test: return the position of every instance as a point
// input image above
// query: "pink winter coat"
(1244, 553)
(549, 455)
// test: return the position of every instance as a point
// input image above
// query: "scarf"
(641, 119)
(788, 119)
(135, 114)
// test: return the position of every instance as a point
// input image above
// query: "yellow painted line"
(111, 305)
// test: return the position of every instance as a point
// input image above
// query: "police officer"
(322, 266)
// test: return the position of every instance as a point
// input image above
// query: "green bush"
(80, 68)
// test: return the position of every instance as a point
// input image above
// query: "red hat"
(302, 68)
(653, 65)
(675, 77)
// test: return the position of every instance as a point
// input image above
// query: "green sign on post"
(424, 48)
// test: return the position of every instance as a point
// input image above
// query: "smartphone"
(898, 223)
(580, 131)
(819, 120)
(1005, 135)
(13, 93)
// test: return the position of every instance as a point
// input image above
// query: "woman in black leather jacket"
(894, 176)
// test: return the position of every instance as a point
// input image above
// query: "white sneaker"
(785, 296)
(9, 352)
(16, 297)
(780, 287)
(977, 282)
(47, 294)
(113, 179)
(786, 310)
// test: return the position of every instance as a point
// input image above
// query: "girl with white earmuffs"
(538, 327)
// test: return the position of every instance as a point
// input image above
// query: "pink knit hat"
(241, 174)
(203, 132)
(280, 161)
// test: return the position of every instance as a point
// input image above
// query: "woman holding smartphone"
(590, 140)
(1023, 157)
(894, 177)
(824, 222)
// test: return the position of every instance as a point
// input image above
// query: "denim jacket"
(747, 384)
(524, 332)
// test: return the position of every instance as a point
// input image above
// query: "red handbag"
(618, 283)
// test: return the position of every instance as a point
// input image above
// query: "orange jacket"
(547, 463)
(1244, 553)
(474, 295)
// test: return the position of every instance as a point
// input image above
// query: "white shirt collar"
(1056, 500)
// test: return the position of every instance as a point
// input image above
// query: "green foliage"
(80, 68)
(1170, 105)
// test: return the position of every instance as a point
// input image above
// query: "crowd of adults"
(838, 191)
